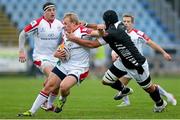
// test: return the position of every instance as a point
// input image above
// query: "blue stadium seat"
(91, 11)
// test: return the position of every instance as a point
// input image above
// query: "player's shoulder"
(139, 32)
(33, 24)
(36, 21)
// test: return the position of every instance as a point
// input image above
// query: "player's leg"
(125, 101)
(65, 86)
(75, 76)
(111, 78)
(170, 97)
(52, 84)
(46, 67)
(144, 80)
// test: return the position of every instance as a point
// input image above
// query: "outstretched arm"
(156, 47)
(83, 42)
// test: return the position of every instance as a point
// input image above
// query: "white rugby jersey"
(79, 54)
(46, 36)
(139, 38)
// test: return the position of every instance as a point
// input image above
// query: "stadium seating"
(22, 12)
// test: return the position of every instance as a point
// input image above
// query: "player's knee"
(63, 88)
(55, 92)
(106, 83)
(151, 88)
(147, 85)
(109, 78)
(50, 86)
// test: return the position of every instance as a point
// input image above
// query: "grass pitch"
(90, 100)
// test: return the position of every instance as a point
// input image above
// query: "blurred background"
(159, 19)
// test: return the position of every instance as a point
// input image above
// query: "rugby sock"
(117, 85)
(62, 98)
(51, 99)
(41, 98)
(156, 97)
(162, 91)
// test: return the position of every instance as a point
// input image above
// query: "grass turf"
(90, 100)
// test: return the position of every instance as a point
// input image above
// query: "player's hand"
(114, 56)
(167, 56)
(101, 27)
(60, 53)
(140, 70)
(22, 56)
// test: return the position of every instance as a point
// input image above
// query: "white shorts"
(133, 73)
(79, 72)
(43, 61)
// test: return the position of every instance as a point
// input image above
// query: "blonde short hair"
(73, 17)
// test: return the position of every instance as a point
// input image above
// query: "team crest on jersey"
(33, 23)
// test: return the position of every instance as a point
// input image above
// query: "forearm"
(22, 39)
(93, 26)
(86, 43)
(157, 47)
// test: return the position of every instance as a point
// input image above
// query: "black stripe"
(74, 76)
(146, 82)
(118, 73)
(111, 79)
(59, 73)
(43, 95)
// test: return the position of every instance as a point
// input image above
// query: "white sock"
(162, 91)
(62, 98)
(51, 99)
(126, 99)
(41, 98)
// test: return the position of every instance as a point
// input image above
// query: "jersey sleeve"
(32, 26)
(143, 35)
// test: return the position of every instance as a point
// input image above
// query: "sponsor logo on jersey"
(33, 23)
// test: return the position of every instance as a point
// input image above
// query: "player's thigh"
(144, 79)
(68, 82)
(115, 72)
(53, 82)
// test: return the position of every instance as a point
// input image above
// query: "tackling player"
(132, 61)
(140, 39)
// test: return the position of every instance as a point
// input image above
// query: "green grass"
(90, 100)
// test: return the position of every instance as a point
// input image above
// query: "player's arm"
(86, 43)
(93, 26)
(114, 55)
(158, 48)
(22, 54)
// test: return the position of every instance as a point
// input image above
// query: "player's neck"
(129, 30)
(75, 28)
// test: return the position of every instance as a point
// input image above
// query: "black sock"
(117, 85)
(125, 90)
(156, 97)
